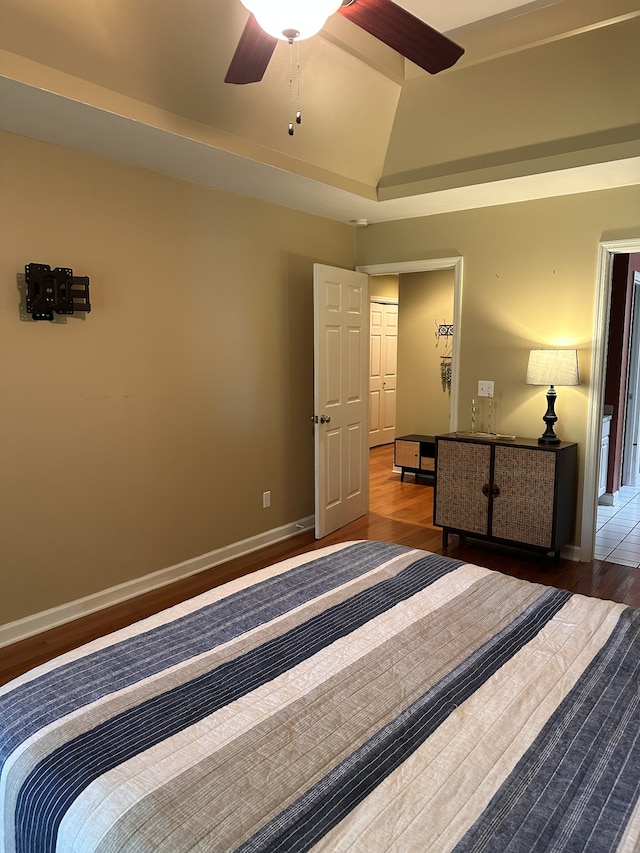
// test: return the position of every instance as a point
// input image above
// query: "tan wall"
(384, 286)
(529, 280)
(423, 405)
(145, 434)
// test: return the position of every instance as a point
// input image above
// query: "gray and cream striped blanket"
(364, 697)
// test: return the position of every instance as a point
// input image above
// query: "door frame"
(456, 264)
(631, 431)
(606, 252)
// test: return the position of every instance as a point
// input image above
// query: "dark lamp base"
(545, 439)
(549, 436)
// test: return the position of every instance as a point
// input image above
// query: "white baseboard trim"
(571, 552)
(609, 498)
(11, 632)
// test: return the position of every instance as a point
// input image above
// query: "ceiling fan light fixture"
(279, 18)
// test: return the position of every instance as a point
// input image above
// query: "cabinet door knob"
(490, 489)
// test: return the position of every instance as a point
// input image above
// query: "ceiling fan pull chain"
(291, 38)
(298, 113)
(290, 86)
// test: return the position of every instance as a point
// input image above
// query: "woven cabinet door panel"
(523, 511)
(407, 453)
(427, 463)
(463, 469)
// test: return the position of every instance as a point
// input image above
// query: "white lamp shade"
(279, 16)
(553, 367)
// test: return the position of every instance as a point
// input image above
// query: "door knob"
(321, 419)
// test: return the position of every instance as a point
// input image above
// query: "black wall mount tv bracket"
(56, 290)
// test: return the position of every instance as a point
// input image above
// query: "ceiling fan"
(383, 19)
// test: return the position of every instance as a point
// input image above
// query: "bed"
(361, 697)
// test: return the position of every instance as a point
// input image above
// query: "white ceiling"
(42, 114)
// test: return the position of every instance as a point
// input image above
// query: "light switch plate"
(485, 388)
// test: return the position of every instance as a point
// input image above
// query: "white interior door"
(383, 369)
(341, 396)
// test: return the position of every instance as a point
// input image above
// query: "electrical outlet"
(485, 388)
(266, 500)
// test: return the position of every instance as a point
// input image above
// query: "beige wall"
(383, 286)
(423, 406)
(529, 280)
(145, 433)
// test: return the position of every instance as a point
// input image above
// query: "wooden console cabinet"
(416, 454)
(516, 493)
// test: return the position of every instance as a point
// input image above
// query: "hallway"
(618, 530)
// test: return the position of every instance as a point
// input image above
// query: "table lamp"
(552, 367)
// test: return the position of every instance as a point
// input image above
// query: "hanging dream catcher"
(445, 331)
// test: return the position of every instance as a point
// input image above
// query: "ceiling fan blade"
(252, 55)
(405, 33)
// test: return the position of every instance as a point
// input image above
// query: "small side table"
(416, 454)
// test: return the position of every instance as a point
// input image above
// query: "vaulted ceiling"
(541, 103)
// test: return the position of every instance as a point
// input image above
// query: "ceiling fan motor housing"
(383, 19)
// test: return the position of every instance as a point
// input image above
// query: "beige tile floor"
(618, 529)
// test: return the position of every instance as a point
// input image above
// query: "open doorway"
(455, 264)
(618, 515)
(411, 354)
(608, 251)
(424, 336)
(631, 427)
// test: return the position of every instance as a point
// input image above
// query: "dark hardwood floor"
(399, 512)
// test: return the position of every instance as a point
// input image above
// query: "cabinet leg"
(547, 558)
(402, 475)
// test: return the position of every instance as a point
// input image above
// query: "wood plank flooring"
(399, 512)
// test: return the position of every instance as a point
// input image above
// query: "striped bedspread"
(363, 697)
